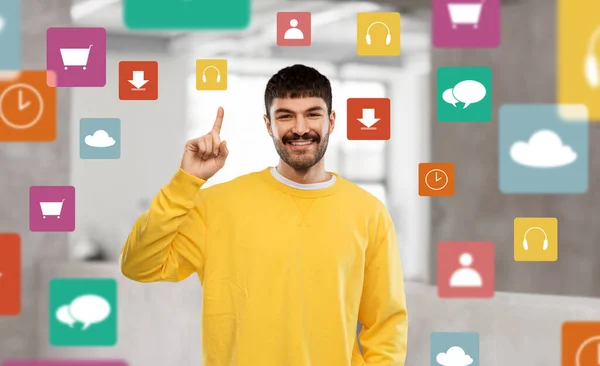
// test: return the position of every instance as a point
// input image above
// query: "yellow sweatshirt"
(287, 273)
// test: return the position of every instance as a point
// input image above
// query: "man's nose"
(300, 127)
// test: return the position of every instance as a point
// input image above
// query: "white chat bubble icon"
(64, 316)
(448, 97)
(469, 92)
(89, 309)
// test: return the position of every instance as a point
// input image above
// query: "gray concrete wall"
(524, 70)
(24, 165)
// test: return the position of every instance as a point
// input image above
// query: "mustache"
(307, 136)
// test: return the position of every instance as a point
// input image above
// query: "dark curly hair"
(298, 81)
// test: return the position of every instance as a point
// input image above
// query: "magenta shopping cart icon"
(52, 208)
(466, 23)
(468, 14)
(75, 56)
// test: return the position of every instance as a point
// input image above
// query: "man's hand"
(206, 155)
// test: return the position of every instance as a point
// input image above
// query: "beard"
(301, 159)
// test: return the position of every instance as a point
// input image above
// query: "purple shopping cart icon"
(52, 209)
(77, 56)
(466, 23)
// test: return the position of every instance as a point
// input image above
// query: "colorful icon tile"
(83, 312)
(10, 274)
(466, 270)
(211, 74)
(368, 118)
(187, 14)
(27, 107)
(466, 23)
(541, 151)
(293, 29)
(454, 349)
(578, 54)
(138, 80)
(10, 35)
(378, 34)
(100, 138)
(464, 94)
(436, 179)
(536, 239)
(580, 343)
(77, 56)
(52, 208)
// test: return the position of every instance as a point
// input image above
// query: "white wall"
(153, 135)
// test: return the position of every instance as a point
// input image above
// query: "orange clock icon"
(21, 106)
(27, 108)
(436, 179)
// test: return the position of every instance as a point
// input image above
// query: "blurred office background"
(160, 323)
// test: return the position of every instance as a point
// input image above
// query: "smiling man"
(290, 257)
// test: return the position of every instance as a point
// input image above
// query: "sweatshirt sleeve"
(382, 312)
(167, 242)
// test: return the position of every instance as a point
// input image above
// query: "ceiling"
(333, 31)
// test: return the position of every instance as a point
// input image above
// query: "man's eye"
(314, 115)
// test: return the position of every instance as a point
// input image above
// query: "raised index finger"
(219, 120)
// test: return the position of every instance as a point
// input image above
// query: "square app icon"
(466, 23)
(10, 274)
(293, 29)
(27, 107)
(578, 54)
(580, 343)
(541, 151)
(77, 56)
(100, 138)
(138, 80)
(378, 34)
(57, 362)
(187, 14)
(436, 179)
(536, 239)
(454, 348)
(466, 270)
(211, 74)
(368, 118)
(464, 94)
(10, 34)
(83, 312)
(52, 209)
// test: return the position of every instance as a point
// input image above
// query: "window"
(251, 148)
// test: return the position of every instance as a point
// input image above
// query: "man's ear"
(331, 121)
(268, 125)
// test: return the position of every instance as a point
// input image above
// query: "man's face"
(300, 129)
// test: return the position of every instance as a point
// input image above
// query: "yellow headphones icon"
(388, 38)
(591, 62)
(525, 244)
(211, 67)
